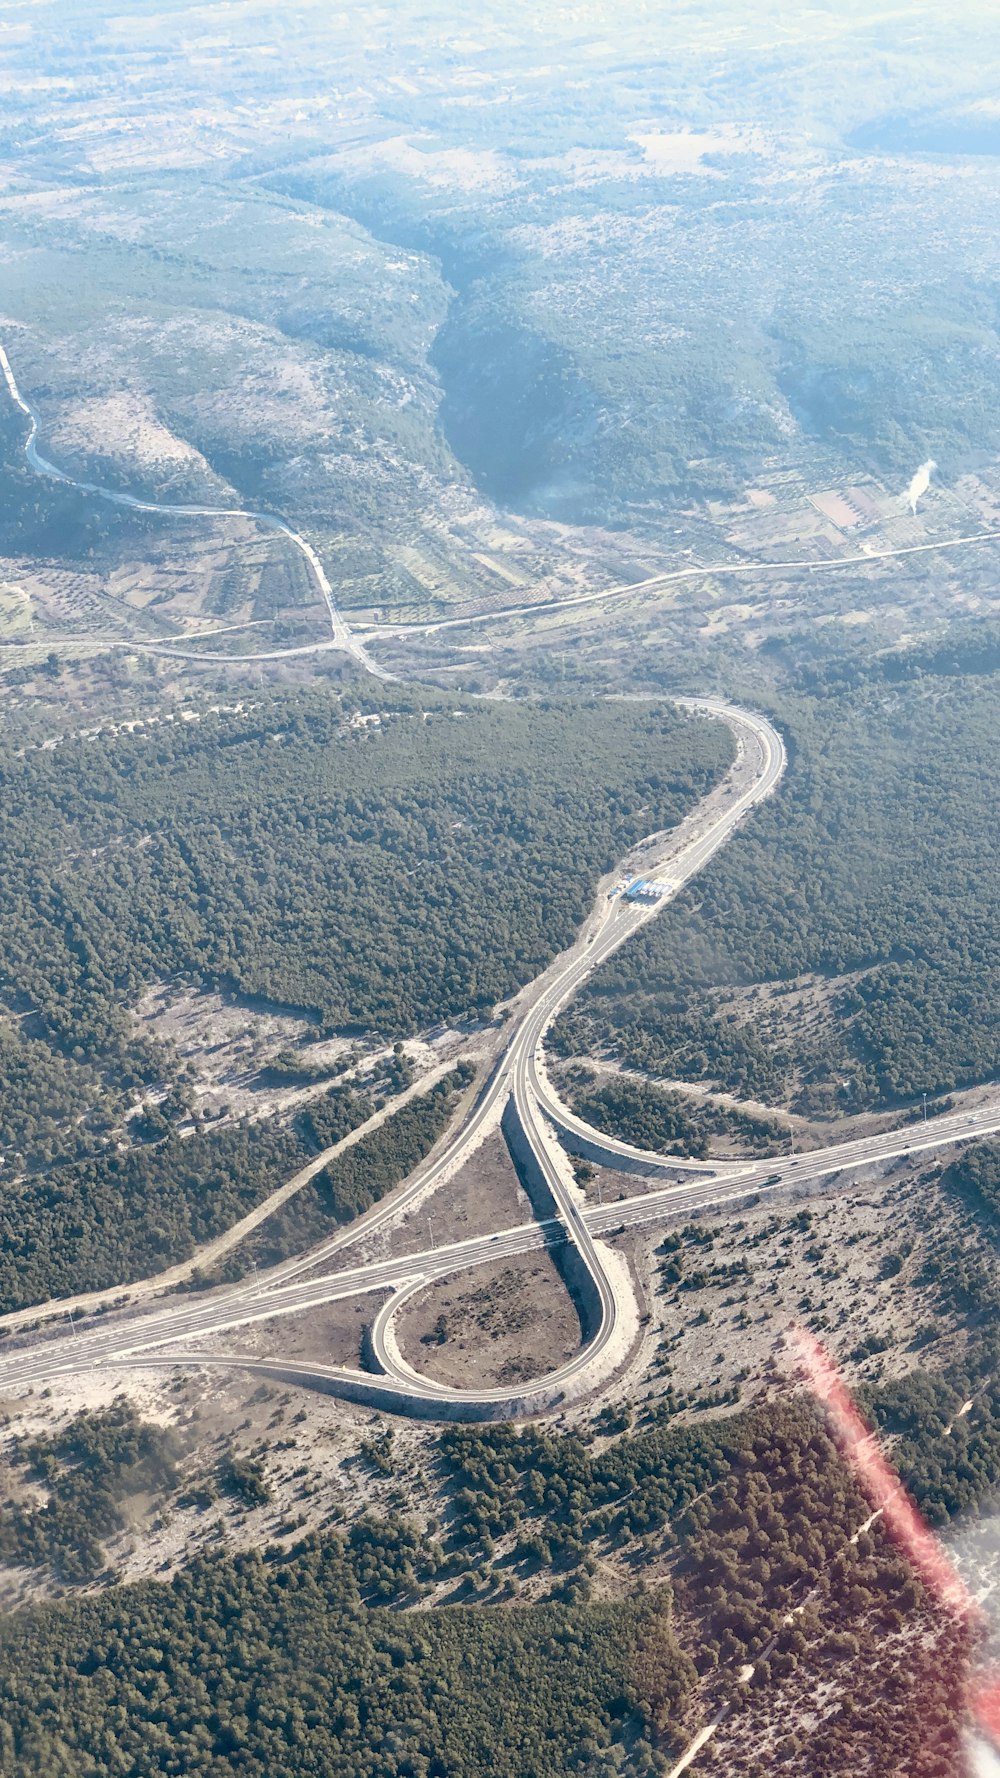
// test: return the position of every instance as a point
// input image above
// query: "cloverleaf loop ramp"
(538, 1127)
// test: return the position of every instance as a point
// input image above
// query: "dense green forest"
(114, 1218)
(666, 1123)
(301, 1660)
(52, 1105)
(266, 1665)
(563, 1495)
(975, 1177)
(103, 1221)
(951, 1473)
(382, 876)
(877, 881)
(760, 1521)
(573, 302)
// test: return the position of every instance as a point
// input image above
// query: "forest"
(115, 1218)
(303, 1661)
(975, 1177)
(382, 875)
(271, 1664)
(951, 1474)
(40, 517)
(760, 1523)
(875, 886)
(103, 1221)
(565, 305)
(564, 1496)
(664, 1122)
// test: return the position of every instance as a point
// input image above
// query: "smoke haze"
(920, 483)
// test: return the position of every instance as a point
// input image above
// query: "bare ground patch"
(311, 1449)
(483, 1197)
(250, 1058)
(509, 1322)
(705, 1336)
(227, 1047)
(605, 1185)
(330, 1333)
(123, 431)
(858, 1266)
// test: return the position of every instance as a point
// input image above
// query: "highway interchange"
(517, 1091)
(176, 1330)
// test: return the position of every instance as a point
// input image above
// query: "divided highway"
(516, 1085)
(180, 1330)
(516, 1088)
(169, 1335)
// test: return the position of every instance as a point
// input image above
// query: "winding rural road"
(346, 640)
(342, 637)
(697, 571)
(516, 1090)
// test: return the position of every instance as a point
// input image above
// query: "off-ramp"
(177, 1331)
(516, 1087)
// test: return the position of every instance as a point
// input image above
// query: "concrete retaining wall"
(574, 1273)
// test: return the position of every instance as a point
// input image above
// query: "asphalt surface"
(353, 642)
(670, 576)
(516, 1080)
(162, 1335)
(171, 1334)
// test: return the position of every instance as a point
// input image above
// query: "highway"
(176, 1331)
(163, 1335)
(516, 1089)
(513, 1083)
(182, 1330)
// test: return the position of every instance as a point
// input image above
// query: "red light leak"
(859, 1446)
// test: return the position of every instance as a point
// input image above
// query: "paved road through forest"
(516, 1086)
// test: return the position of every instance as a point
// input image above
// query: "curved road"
(513, 1083)
(348, 641)
(516, 1083)
(342, 637)
(159, 1337)
(173, 1333)
(669, 576)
